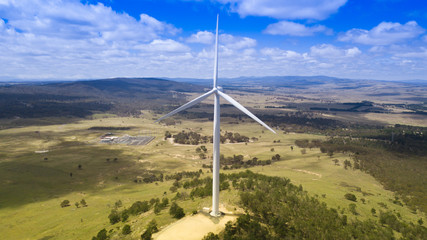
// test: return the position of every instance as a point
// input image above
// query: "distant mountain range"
(289, 81)
(127, 96)
(123, 96)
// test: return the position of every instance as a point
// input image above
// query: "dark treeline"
(194, 138)
(109, 128)
(238, 161)
(48, 105)
(121, 96)
(277, 209)
(292, 121)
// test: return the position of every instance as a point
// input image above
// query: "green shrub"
(126, 229)
(114, 217)
(211, 236)
(176, 211)
(102, 235)
(350, 196)
(65, 203)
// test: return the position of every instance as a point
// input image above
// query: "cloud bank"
(385, 33)
(67, 39)
(285, 9)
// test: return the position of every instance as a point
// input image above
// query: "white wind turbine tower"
(216, 91)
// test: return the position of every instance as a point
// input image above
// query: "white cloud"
(74, 20)
(286, 9)
(294, 29)
(421, 53)
(330, 51)
(279, 54)
(167, 45)
(233, 42)
(352, 52)
(384, 34)
(66, 39)
(204, 37)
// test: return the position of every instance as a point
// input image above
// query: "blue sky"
(71, 39)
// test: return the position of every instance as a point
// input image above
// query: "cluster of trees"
(233, 137)
(202, 150)
(151, 177)
(66, 203)
(82, 203)
(184, 174)
(137, 208)
(237, 162)
(277, 209)
(102, 128)
(304, 143)
(194, 138)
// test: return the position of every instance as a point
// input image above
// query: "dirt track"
(193, 227)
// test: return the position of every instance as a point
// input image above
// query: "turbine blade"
(215, 76)
(187, 105)
(243, 109)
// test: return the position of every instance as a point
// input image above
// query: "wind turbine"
(216, 91)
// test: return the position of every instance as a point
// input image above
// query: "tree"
(139, 207)
(114, 217)
(77, 204)
(151, 228)
(118, 204)
(125, 215)
(211, 236)
(272, 149)
(102, 235)
(146, 235)
(204, 148)
(373, 211)
(83, 203)
(126, 229)
(152, 225)
(347, 163)
(352, 209)
(224, 185)
(65, 203)
(351, 197)
(79, 167)
(275, 157)
(176, 211)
